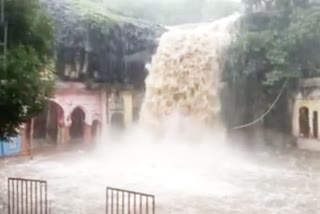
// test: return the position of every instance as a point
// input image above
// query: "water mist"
(177, 151)
(180, 130)
(180, 123)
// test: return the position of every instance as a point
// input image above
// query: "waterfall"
(185, 72)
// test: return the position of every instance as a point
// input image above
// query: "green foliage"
(286, 47)
(280, 43)
(24, 83)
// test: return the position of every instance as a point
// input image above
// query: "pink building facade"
(78, 114)
(74, 100)
(75, 114)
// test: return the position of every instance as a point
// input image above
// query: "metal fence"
(27, 196)
(120, 201)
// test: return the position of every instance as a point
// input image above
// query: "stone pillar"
(87, 134)
(311, 134)
(60, 135)
(67, 137)
(64, 135)
(318, 125)
(103, 111)
(128, 108)
(295, 120)
(25, 146)
(62, 126)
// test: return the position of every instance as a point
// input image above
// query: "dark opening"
(77, 125)
(315, 124)
(304, 122)
(117, 120)
(39, 129)
(46, 123)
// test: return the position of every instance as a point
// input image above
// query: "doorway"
(45, 127)
(77, 124)
(304, 122)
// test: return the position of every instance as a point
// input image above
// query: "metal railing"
(26, 196)
(120, 201)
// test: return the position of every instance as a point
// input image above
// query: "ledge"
(92, 86)
(309, 82)
(310, 144)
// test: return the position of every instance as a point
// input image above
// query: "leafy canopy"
(25, 83)
(278, 41)
(278, 44)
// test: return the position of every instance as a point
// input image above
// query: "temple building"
(78, 115)
(99, 66)
(305, 119)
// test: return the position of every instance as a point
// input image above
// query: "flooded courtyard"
(184, 179)
(166, 86)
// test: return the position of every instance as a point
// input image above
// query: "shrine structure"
(305, 121)
(79, 115)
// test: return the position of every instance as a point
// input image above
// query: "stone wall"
(307, 99)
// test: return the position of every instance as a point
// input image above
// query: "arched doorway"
(315, 124)
(117, 120)
(39, 129)
(45, 126)
(77, 124)
(95, 128)
(304, 122)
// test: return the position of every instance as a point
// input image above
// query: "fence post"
(128, 205)
(27, 196)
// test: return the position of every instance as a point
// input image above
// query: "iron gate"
(27, 196)
(119, 201)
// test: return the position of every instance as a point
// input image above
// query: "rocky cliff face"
(95, 43)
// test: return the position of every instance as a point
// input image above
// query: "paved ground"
(184, 179)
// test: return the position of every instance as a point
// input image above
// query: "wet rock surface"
(93, 42)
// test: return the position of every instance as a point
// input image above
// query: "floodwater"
(188, 179)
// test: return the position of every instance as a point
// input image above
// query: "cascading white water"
(184, 74)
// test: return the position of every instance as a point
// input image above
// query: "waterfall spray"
(184, 74)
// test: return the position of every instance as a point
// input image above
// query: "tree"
(278, 44)
(25, 83)
(263, 5)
